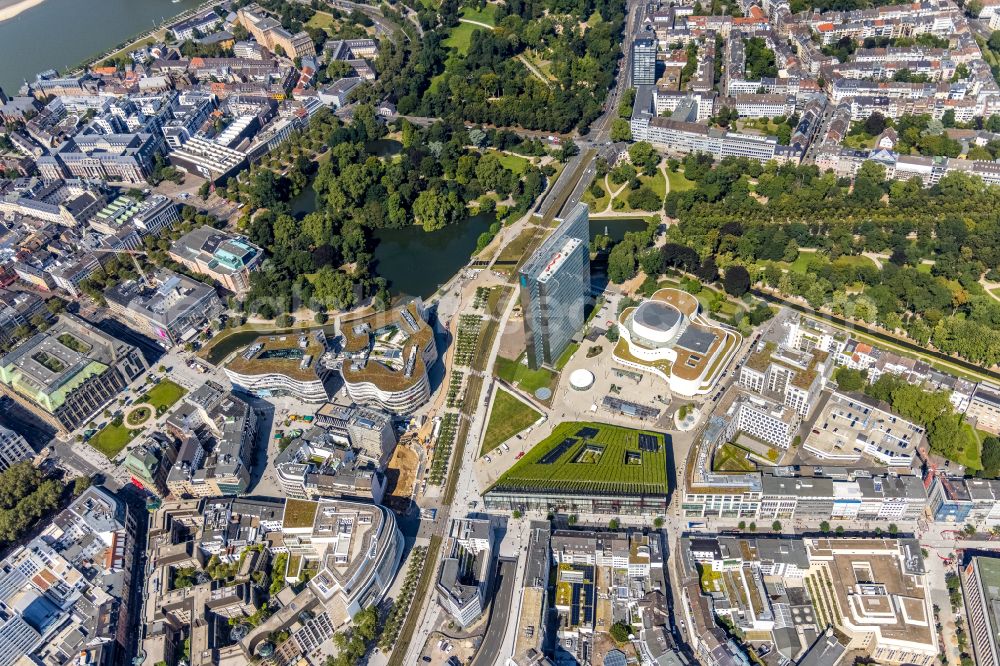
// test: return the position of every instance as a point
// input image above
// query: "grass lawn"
(765, 125)
(108, 62)
(596, 204)
(656, 183)
(515, 163)
(806, 258)
(435, 83)
(112, 439)
(566, 355)
(164, 394)
(679, 182)
(321, 20)
(728, 308)
(461, 37)
(801, 263)
(856, 261)
(485, 15)
(971, 448)
(925, 268)
(859, 141)
(509, 417)
(519, 374)
(515, 249)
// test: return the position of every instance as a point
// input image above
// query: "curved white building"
(387, 356)
(282, 365)
(667, 337)
(355, 548)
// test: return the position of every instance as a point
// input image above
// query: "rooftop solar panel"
(648, 443)
(559, 449)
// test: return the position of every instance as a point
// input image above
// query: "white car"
(505, 447)
(488, 459)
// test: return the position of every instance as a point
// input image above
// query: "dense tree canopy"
(25, 496)
(491, 84)
(760, 216)
(323, 259)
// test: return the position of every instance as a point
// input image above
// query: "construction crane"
(131, 253)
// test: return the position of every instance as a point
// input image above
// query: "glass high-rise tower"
(555, 284)
(643, 62)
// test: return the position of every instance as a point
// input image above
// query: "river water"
(62, 33)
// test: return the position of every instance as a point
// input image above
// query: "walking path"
(534, 70)
(989, 287)
(876, 258)
(527, 63)
(479, 23)
(609, 212)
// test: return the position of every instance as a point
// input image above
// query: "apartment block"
(875, 589)
(318, 465)
(984, 408)
(217, 432)
(466, 572)
(67, 593)
(788, 376)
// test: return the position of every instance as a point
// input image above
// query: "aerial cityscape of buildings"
(299, 365)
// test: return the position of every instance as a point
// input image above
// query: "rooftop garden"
(632, 462)
(49, 362)
(299, 513)
(72, 342)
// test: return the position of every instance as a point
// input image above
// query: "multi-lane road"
(577, 175)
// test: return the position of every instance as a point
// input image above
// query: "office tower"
(555, 283)
(644, 62)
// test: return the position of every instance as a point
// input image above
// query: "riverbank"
(84, 32)
(12, 10)
(142, 39)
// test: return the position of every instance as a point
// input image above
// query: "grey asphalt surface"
(499, 612)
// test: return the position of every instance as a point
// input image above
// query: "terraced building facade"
(585, 467)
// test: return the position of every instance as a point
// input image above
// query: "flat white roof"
(558, 259)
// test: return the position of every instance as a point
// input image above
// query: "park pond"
(615, 227)
(414, 261)
(417, 262)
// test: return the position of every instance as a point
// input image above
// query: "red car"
(518, 456)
